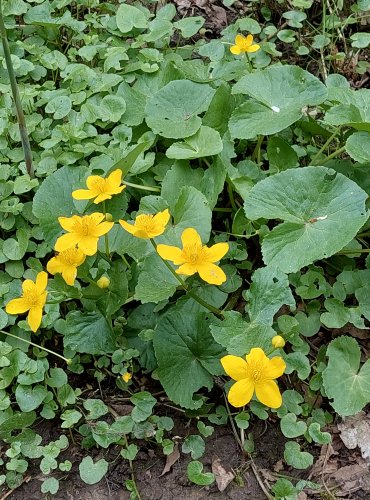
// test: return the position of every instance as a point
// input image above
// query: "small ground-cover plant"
(148, 240)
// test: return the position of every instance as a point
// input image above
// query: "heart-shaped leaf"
(90, 472)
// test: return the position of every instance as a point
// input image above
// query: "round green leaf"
(317, 435)
(173, 111)
(194, 445)
(358, 146)
(60, 106)
(29, 398)
(278, 95)
(197, 476)
(291, 427)
(344, 382)
(129, 17)
(322, 212)
(295, 457)
(50, 485)
(205, 142)
(92, 473)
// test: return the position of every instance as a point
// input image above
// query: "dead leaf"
(267, 475)
(279, 466)
(302, 496)
(353, 477)
(172, 458)
(355, 431)
(223, 478)
(219, 18)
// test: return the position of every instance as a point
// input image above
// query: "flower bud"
(278, 341)
(126, 377)
(103, 282)
(108, 217)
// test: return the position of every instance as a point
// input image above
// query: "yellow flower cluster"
(81, 239)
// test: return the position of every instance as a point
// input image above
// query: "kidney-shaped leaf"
(173, 110)
(322, 211)
(278, 95)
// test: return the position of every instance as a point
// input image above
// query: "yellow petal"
(240, 40)
(253, 48)
(268, 393)
(66, 241)
(216, 252)
(41, 281)
(190, 237)
(236, 50)
(162, 218)
(241, 393)
(102, 197)
(89, 245)
(69, 275)
(83, 194)
(93, 180)
(235, 366)
(34, 318)
(128, 227)
(248, 41)
(115, 177)
(211, 273)
(28, 285)
(102, 228)
(187, 269)
(68, 223)
(171, 253)
(97, 217)
(54, 266)
(256, 356)
(275, 367)
(17, 306)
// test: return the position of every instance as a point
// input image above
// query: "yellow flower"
(126, 377)
(147, 225)
(83, 232)
(244, 44)
(32, 300)
(278, 341)
(99, 188)
(66, 263)
(196, 258)
(103, 282)
(256, 374)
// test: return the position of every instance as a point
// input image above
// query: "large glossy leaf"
(322, 211)
(278, 95)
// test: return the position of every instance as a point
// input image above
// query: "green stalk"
(16, 97)
(193, 295)
(324, 146)
(139, 186)
(333, 155)
(249, 63)
(67, 360)
(106, 240)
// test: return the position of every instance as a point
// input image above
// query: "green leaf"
(353, 109)
(29, 398)
(88, 333)
(50, 485)
(318, 436)
(60, 106)
(297, 361)
(281, 154)
(144, 404)
(344, 381)
(54, 199)
(173, 110)
(291, 427)
(96, 408)
(130, 452)
(278, 95)
(360, 40)
(197, 476)
(238, 336)
(57, 378)
(186, 352)
(268, 292)
(90, 472)
(205, 142)
(70, 418)
(295, 457)
(195, 445)
(192, 210)
(155, 281)
(189, 26)
(358, 146)
(322, 211)
(337, 316)
(14, 249)
(129, 17)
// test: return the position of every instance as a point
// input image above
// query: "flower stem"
(17, 100)
(67, 360)
(193, 295)
(333, 155)
(106, 240)
(139, 186)
(256, 155)
(249, 63)
(324, 146)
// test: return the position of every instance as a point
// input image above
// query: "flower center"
(145, 222)
(99, 185)
(194, 253)
(32, 297)
(256, 371)
(70, 256)
(83, 226)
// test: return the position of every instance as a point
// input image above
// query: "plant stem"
(67, 360)
(333, 155)
(234, 208)
(144, 188)
(17, 100)
(256, 155)
(132, 471)
(106, 240)
(193, 295)
(331, 138)
(349, 252)
(249, 63)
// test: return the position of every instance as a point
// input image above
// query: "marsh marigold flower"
(66, 263)
(148, 226)
(126, 377)
(83, 232)
(255, 374)
(244, 44)
(32, 300)
(196, 258)
(278, 341)
(103, 282)
(100, 188)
